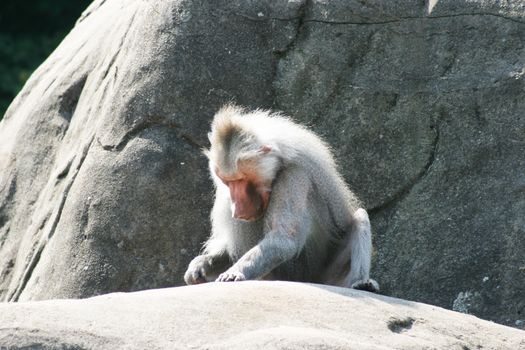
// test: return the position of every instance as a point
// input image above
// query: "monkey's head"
(242, 160)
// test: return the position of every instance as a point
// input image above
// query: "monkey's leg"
(205, 268)
(360, 243)
(351, 265)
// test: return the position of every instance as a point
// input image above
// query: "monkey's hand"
(196, 272)
(231, 275)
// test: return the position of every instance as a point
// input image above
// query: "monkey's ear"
(206, 152)
(209, 136)
(265, 149)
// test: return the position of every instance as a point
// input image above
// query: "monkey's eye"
(229, 179)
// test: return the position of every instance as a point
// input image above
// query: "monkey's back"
(324, 233)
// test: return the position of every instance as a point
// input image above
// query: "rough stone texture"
(247, 315)
(103, 187)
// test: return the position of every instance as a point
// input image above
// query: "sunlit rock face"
(103, 186)
(247, 315)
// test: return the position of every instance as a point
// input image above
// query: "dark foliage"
(29, 32)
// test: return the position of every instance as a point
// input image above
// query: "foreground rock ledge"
(247, 315)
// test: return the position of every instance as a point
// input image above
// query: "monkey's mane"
(225, 126)
(233, 125)
(229, 137)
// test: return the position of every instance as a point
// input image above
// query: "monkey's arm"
(288, 222)
(261, 259)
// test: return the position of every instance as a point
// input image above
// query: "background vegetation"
(29, 32)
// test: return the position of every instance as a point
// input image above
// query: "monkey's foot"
(231, 276)
(369, 285)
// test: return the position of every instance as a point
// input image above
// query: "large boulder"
(103, 186)
(247, 315)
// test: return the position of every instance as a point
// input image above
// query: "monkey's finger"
(239, 277)
(195, 276)
(226, 277)
(198, 276)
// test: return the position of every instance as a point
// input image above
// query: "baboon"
(282, 211)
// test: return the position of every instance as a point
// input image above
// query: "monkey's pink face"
(249, 197)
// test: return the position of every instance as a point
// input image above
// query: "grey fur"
(313, 229)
